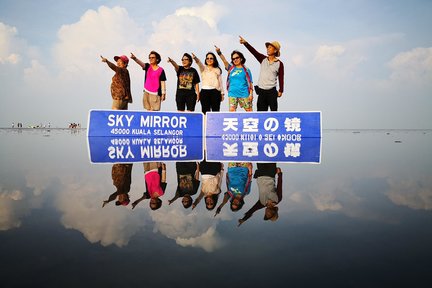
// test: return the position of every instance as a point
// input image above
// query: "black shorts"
(186, 101)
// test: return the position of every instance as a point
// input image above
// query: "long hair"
(215, 61)
(215, 198)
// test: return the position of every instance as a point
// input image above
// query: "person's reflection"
(121, 176)
(155, 182)
(238, 180)
(269, 194)
(211, 176)
(187, 182)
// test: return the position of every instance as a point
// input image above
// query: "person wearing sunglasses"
(271, 71)
(211, 94)
(187, 84)
(239, 81)
(154, 81)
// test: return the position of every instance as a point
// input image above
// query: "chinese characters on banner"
(264, 137)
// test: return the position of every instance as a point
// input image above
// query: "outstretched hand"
(217, 49)
(242, 40)
(103, 58)
(218, 210)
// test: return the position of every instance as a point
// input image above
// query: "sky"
(364, 64)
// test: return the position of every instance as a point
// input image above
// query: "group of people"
(238, 186)
(240, 90)
(239, 82)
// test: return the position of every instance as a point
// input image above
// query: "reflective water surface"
(361, 218)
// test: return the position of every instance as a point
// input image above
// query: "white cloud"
(413, 194)
(208, 241)
(188, 229)
(107, 31)
(326, 201)
(209, 12)
(412, 66)
(189, 29)
(81, 205)
(326, 53)
(14, 205)
(38, 76)
(9, 216)
(9, 44)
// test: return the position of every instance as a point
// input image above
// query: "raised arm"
(176, 196)
(199, 63)
(219, 52)
(225, 200)
(145, 196)
(197, 200)
(260, 57)
(138, 61)
(176, 67)
(112, 197)
(250, 212)
(110, 64)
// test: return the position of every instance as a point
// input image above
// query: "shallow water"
(361, 218)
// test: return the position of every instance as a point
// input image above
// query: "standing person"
(187, 84)
(271, 70)
(269, 194)
(238, 181)
(120, 85)
(239, 81)
(211, 175)
(187, 182)
(155, 182)
(122, 177)
(212, 93)
(154, 81)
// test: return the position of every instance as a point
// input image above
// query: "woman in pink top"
(154, 82)
(155, 182)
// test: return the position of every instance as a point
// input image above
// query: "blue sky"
(364, 64)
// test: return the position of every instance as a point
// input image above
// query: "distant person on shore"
(239, 81)
(155, 183)
(120, 85)
(154, 81)
(271, 70)
(188, 80)
(212, 92)
(270, 193)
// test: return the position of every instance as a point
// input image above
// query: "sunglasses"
(235, 58)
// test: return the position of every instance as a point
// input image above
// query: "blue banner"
(144, 149)
(121, 136)
(145, 124)
(264, 137)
